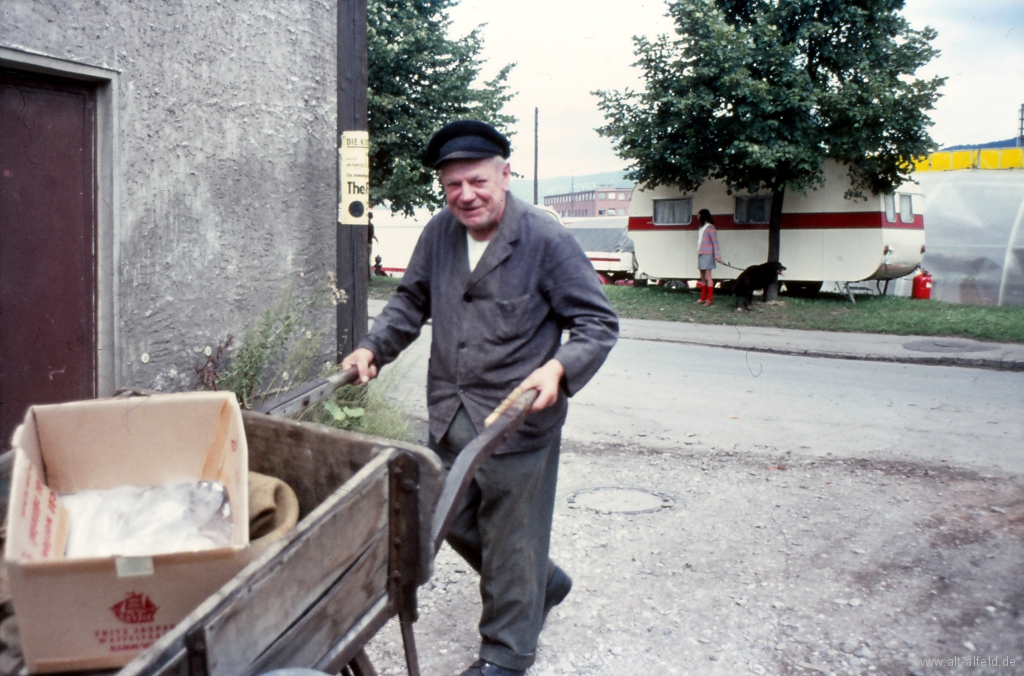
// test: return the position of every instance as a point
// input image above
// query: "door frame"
(108, 192)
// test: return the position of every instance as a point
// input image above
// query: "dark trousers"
(503, 530)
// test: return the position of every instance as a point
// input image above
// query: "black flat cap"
(465, 140)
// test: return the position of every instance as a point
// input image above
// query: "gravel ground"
(755, 562)
(760, 562)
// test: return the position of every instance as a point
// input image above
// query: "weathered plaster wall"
(226, 161)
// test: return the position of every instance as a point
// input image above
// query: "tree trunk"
(774, 230)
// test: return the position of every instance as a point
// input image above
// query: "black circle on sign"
(356, 209)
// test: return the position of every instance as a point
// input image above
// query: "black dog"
(755, 277)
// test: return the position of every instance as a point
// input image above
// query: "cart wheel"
(359, 666)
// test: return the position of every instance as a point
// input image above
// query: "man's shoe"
(557, 589)
(485, 668)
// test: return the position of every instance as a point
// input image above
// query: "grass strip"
(382, 287)
(825, 312)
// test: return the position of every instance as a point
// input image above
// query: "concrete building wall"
(223, 167)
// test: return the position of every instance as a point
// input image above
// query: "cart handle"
(307, 394)
(499, 426)
(504, 406)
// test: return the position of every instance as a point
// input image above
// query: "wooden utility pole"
(353, 255)
(536, 147)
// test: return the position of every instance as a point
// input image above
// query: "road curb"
(962, 362)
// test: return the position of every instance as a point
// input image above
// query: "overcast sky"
(564, 49)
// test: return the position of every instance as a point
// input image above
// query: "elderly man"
(501, 280)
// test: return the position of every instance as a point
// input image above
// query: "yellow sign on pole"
(354, 183)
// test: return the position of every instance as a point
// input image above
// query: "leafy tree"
(418, 81)
(758, 93)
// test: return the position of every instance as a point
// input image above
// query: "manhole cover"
(620, 500)
(946, 346)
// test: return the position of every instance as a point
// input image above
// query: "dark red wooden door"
(47, 244)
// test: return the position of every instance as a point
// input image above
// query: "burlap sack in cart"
(273, 511)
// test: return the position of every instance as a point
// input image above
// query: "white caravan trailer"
(823, 236)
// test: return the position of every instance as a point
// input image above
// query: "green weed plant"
(280, 350)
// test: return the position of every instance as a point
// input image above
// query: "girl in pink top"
(707, 254)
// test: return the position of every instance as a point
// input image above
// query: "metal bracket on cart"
(403, 558)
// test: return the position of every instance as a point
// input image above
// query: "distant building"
(589, 203)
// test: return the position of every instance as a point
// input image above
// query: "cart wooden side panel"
(341, 550)
(316, 460)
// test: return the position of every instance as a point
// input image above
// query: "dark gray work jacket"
(493, 327)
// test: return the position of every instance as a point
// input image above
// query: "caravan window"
(906, 209)
(753, 209)
(673, 212)
(890, 208)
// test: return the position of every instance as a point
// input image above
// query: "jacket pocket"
(517, 317)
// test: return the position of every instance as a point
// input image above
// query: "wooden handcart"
(373, 514)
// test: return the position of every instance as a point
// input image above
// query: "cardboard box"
(98, 613)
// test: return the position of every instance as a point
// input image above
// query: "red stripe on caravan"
(646, 223)
(819, 221)
(918, 224)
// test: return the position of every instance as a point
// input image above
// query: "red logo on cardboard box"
(135, 609)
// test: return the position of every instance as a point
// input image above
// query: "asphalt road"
(829, 516)
(663, 395)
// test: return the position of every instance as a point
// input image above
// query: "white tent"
(975, 239)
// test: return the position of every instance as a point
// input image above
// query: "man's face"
(475, 191)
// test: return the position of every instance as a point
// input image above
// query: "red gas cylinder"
(922, 286)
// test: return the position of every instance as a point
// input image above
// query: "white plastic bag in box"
(184, 516)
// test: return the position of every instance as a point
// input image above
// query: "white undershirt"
(475, 249)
